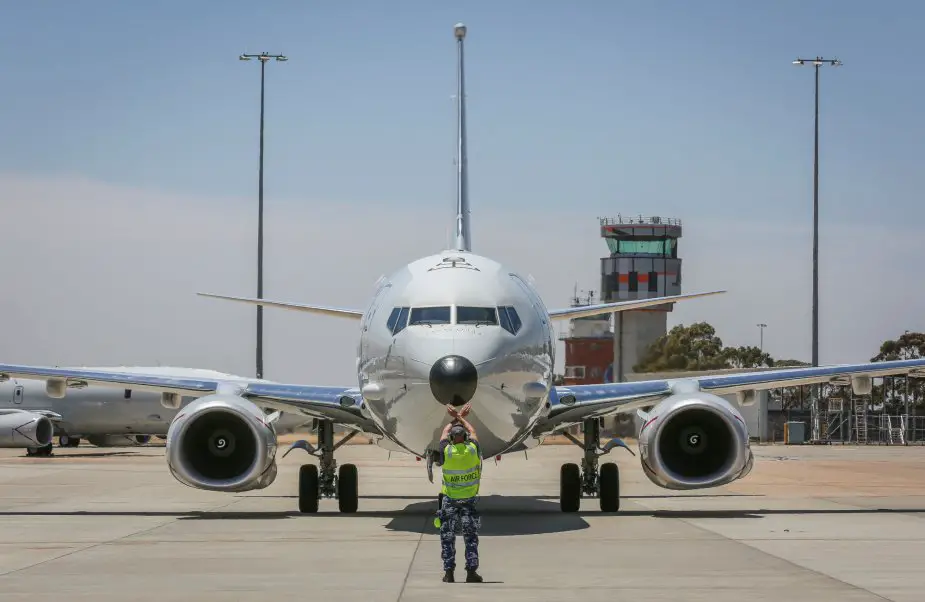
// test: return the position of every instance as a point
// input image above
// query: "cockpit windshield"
(480, 316)
(429, 315)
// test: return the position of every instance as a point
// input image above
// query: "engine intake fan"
(694, 441)
(222, 443)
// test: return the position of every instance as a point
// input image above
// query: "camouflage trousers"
(461, 514)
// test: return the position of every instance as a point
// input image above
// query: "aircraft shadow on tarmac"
(501, 515)
(85, 455)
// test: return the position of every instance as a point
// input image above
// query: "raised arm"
(461, 416)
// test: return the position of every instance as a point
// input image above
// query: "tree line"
(697, 347)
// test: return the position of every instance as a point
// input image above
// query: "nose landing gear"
(603, 483)
(325, 479)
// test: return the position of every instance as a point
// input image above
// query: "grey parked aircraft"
(105, 417)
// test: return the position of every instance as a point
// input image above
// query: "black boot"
(448, 577)
(472, 576)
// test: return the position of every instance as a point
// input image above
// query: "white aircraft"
(104, 416)
(453, 328)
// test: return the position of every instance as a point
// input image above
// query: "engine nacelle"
(693, 441)
(20, 428)
(222, 443)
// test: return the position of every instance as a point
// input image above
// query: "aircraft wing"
(569, 313)
(572, 404)
(343, 405)
(338, 312)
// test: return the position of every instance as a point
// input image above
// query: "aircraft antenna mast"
(463, 240)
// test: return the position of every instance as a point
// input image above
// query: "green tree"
(790, 364)
(694, 347)
(747, 357)
(909, 345)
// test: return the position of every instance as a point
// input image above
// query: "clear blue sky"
(687, 106)
(140, 113)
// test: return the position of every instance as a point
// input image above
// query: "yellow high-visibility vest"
(462, 469)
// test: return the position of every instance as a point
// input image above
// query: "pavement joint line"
(107, 542)
(414, 556)
(745, 542)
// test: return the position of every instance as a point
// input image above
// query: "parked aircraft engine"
(222, 443)
(693, 441)
(19, 428)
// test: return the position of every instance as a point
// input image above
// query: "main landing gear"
(588, 480)
(325, 479)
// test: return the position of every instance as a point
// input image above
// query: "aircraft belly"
(414, 420)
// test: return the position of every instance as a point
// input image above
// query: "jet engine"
(694, 441)
(19, 428)
(222, 443)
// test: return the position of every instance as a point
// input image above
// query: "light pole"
(816, 62)
(761, 328)
(263, 58)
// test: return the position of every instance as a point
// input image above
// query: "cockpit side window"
(480, 316)
(430, 315)
(393, 319)
(515, 319)
(510, 321)
(401, 321)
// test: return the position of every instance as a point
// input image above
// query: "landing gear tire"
(68, 441)
(570, 488)
(609, 487)
(308, 488)
(44, 451)
(348, 496)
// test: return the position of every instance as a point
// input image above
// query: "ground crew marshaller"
(462, 468)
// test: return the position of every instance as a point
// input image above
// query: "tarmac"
(809, 523)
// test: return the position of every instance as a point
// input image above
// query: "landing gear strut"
(325, 479)
(589, 480)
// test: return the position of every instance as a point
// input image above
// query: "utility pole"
(761, 328)
(816, 62)
(263, 58)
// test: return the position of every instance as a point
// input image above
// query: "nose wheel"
(590, 479)
(326, 480)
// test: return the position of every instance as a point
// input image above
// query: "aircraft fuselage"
(433, 321)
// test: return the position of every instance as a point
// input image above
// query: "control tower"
(643, 263)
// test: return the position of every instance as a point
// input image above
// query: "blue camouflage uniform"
(459, 513)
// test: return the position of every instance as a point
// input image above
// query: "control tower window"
(430, 315)
(509, 319)
(661, 248)
(476, 315)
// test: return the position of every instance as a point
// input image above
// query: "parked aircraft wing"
(340, 404)
(569, 313)
(572, 404)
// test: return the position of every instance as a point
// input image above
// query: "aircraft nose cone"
(453, 380)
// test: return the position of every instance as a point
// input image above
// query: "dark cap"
(458, 430)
